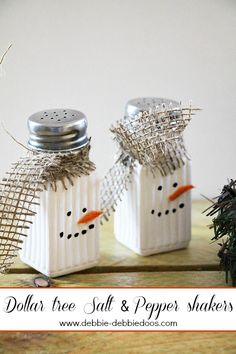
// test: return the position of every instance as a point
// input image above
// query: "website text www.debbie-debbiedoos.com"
(116, 324)
(117, 309)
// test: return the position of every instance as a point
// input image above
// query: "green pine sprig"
(223, 212)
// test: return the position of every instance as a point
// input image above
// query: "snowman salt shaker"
(64, 234)
(154, 214)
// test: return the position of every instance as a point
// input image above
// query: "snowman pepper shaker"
(149, 185)
(64, 234)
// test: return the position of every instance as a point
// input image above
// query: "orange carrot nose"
(89, 216)
(179, 191)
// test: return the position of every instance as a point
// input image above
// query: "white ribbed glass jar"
(57, 244)
(145, 220)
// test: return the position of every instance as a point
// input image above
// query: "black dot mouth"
(83, 232)
(167, 211)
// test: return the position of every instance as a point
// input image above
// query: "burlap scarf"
(21, 188)
(153, 139)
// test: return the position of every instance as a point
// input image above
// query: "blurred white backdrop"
(94, 55)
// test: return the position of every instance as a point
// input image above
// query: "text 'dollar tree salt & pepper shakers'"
(149, 185)
(49, 199)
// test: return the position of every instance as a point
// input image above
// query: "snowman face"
(166, 198)
(177, 192)
(85, 223)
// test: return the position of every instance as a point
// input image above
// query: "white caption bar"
(135, 309)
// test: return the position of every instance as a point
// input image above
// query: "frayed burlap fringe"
(154, 139)
(20, 192)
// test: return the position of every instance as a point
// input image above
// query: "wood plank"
(199, 253)
(118, 343)
(193, 278)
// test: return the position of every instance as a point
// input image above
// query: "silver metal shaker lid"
(57, 129)
(136, 105)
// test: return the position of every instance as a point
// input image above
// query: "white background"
(153, 306)
(94, 55)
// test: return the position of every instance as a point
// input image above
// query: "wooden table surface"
(198, 265)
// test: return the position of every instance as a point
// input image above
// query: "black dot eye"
(91, 226)
(84, 210)
(167, 212)
(61, 234)
(69, 236)
(159, 188)
(181, 205)
(175, 184)
(153, 211)
(174, 210)
(69, 213)
(76, 234)
(84, 232)
(159, 214)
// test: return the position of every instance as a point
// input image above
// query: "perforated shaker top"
(136, 105)
(57, 129)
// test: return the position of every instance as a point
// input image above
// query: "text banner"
(117, 309)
